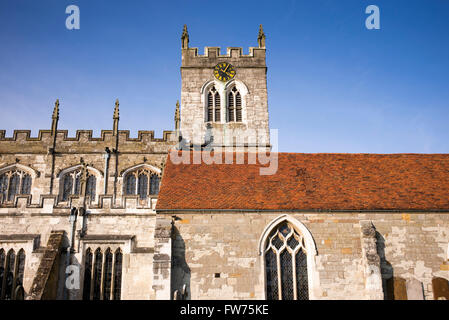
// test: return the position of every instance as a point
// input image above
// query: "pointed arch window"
(87, 275)
(12, 270)
(14, 182)
(118, 274)
(2, 271)
(71, 185)
(97, 274)
(154, 184)
(234, 105)
(102, 274)
(107, 275)
(91, 187)
(142, 182)
(213, 105)
(18, 281)
(285, 258)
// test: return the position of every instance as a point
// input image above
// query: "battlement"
(212, 55)
(83, 141)
(234, 55)
(25, 135)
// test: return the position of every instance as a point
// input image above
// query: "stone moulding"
(49, 203)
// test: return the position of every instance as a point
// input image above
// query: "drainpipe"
(107, 156)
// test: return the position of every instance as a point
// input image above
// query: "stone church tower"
(224, 95)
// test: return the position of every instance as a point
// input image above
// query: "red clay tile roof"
(312, 182)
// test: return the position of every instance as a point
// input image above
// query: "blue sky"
(333, 85)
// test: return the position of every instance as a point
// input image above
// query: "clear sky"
(333, 85)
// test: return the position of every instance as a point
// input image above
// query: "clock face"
(224, 71)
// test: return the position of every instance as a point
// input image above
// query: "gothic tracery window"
(234, 105)
(213, 105)
(14, 182)
(102, 274)
(12, 269)
(285, 258)
(71, 185)
(142, 182)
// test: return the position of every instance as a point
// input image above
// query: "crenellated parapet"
(49, 204)
(83, 141)
(234, 55)
(212, 55)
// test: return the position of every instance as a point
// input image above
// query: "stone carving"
(261, 37)
(185, 38)
(371, 260)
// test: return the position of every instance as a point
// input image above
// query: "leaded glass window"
(2, 270)
(142, 182)
(234, 106)
(97, 274)
(12, 269)
(20, 269)
(118, 274)
(3, 187)
(14, 182)
(91, 187)
(102, 274)
(9, 275)
(154, 184)
(87, 275)
(142, 186)
(67, 188)
(107, 275)
(14, 185)
(71, 185)
(26, 184)
(131, 184)
(286, 264)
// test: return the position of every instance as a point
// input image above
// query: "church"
(212, 211)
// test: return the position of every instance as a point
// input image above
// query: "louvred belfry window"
(12, 183)
(234, 106)
(142, 182)
(213, 106)
(102, 274)
(286, 265)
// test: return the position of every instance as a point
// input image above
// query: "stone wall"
(133, 233)
(217, 256)
(113, 219)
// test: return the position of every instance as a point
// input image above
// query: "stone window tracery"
(12, 270)
(102, 274)
(234, 105)
(14, 182)
(285, 258)
(142, 182)
(71, 185)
